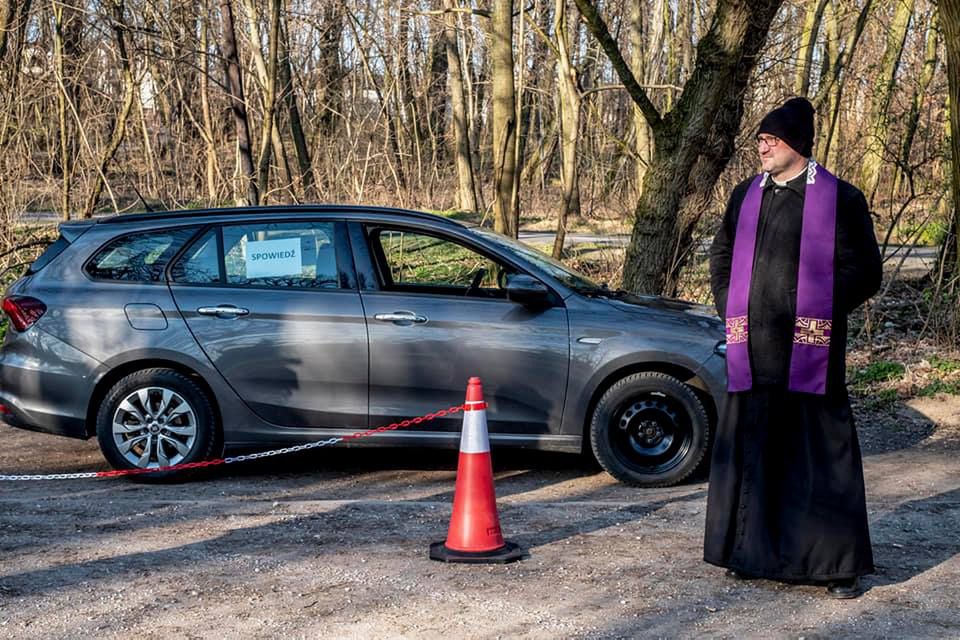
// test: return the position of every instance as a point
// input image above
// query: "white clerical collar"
(811, 171)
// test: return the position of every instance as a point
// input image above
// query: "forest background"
(615, 117)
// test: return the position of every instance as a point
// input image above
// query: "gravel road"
(334, 545)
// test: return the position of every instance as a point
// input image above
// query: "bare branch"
(598, 28)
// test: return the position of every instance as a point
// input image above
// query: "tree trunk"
(393, 133)
(643, 141)
(830, 92)
(267, 75)
(407, 112)
(22, 18)
(902, 168)
(522, 107)
(715, 154)
(950, 19)
(725, 56)
(14, 15)
(120, 126)
(289, 98)
(67, 37)
(238, 104)
(685, 16)
(212, 169)
(150, 160)
(673, 62)
(570, 99)
(328, 94)
(62, 118)
(506, 210)
(467, 191)
(7, 16)
(435, 95)
(873, 158)
(808, 41)
(476, 74)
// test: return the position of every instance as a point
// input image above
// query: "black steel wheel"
(650, 430)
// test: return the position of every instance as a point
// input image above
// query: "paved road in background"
(918, 257)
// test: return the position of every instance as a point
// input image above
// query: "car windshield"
(555, 268)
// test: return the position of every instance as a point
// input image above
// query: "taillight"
(23, 311)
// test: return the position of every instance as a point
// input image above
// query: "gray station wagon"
(175, 337)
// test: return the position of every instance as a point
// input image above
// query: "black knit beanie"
(792, 123)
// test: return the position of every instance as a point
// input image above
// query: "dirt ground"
(334, 544)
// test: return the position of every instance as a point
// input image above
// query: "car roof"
(239, 212)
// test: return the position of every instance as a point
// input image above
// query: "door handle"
(223, 311)
(405, 317)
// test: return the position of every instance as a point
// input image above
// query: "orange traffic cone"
(474, 534)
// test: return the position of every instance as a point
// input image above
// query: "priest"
(795, 254)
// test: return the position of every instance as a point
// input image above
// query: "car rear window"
(140, 257)
(49, 254)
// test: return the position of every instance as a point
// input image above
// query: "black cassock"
(786, 498)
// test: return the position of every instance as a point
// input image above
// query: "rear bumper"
(45, 384)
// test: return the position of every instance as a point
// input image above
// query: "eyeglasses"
(770, 141)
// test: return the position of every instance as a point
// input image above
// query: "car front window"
(554, 268)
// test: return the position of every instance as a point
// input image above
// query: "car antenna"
(142, 199)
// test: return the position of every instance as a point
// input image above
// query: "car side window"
(414, 261)
(138, 257)
(281, 254)
(201, 262)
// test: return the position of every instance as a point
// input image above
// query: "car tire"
(650, 430)
(154, 418)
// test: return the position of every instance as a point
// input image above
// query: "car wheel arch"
(678, 371)
(115, 374)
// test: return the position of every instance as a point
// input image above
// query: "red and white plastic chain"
(242, 458)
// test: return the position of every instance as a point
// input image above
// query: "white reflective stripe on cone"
(473, 438)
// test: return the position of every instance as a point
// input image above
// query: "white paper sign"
(273, 258)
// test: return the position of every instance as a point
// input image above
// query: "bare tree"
(393, 102)
(950, 19)
(8, 14)
(731, 44)
(289, 97)
(269, 130)
(467, 190)
(120, 124)
(238, 103)
(13, 19)
(829, 95)
(903, 168)
(643, 142)
(66, 53)
(506, 206)
(882, 93)
(209, 135)
(808, 39)
(569, 102)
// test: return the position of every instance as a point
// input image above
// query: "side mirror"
(527, 290)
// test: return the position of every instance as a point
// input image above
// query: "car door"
(275, 307)
(433, 323)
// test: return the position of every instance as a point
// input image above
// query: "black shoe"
(844, 589)
(736, 575)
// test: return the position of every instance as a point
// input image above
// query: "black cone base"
(509, 552)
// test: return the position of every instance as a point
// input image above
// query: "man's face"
(776, 156)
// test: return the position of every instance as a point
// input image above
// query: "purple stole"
(814, 320)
